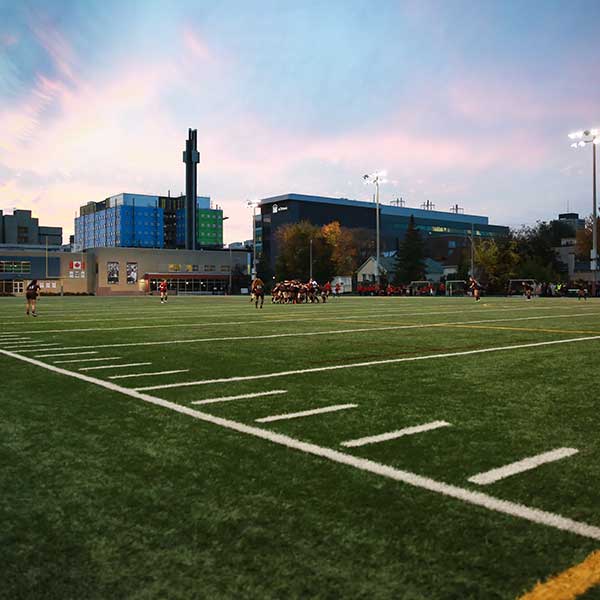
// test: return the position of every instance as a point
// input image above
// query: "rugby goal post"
(418, 287)
(456, 287)
(517, 285)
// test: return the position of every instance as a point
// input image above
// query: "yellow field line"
(571, 583)
(534, 329)
(466, 326)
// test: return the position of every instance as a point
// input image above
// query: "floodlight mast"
(253, 204)
(376, 179)
(591, 136)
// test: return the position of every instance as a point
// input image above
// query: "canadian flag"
(77, 265)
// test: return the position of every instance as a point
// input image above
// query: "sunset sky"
(466, 102)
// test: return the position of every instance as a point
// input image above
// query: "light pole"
(253, 204)
(310, 259)
(581, 138)
(376, 179)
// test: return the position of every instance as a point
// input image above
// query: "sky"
(462, 102)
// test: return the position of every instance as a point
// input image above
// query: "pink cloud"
(8, 39)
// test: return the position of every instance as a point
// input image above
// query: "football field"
(414, 448)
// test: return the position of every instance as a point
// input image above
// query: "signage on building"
(278, 209)
(76, 265)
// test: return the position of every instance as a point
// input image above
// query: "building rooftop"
(386, 209)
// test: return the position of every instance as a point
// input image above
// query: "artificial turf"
(106, 496)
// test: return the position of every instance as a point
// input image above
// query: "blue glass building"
(136, 220)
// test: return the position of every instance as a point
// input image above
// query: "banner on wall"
(112, 273)
(76, 265)
(132, 272)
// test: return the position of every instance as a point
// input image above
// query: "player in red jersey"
(164, 291)
(258, 291)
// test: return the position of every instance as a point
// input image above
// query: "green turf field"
(156, 451)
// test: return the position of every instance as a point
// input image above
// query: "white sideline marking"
(240, 397)
(364, 314)
(522, 465)
(392, 435)
(80, 360)
(305, 413)
(506, 507)
(141, 364)
(370, 363)
(29, 345)
(14, 340)
(62, 353)
(147, 374)
(328, 332)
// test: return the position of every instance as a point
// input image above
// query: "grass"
(106, 496)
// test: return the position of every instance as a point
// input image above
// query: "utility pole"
(310, 259)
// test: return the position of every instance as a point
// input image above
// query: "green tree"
(294, 250)
(344, 248)
(410, 258)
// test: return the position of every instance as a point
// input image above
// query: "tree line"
(526, 252)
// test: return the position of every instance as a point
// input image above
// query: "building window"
(22, 235)
(15, 266)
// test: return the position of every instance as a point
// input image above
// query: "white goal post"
(517, 285)
(456, 286)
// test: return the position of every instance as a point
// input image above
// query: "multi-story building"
(445, 233)
(143, 221)
(125, 271)
(21, 229)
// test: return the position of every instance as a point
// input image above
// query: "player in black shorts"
(475, 288)
(258, 291)
(31, 294)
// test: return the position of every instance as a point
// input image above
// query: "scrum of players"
(294, 291)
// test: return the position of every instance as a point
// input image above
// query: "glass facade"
(209, 227)
(139, 221)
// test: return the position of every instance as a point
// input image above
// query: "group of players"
(294, 292)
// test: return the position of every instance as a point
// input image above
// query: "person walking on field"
(31, 294)
(258, 291)
(164, 291)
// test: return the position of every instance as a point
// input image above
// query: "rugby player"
(258, 291)
(164, 291)
(31, 294)
(475, 288)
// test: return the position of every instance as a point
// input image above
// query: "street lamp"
(376, 179)
(253, 204)
(580, 139)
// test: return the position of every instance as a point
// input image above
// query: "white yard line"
(392, 435)
(148, 374)
(62, 353)
(81, 360)
(28, 345)
(138, 364)
(506, 507)
(242, 311)
(305, 413)
(371, 363)
(240, 397)
(326, 332)
(522, 465)
(391, 313)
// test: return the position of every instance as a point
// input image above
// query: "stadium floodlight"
(253, 204)
(591, 136)
(376, 178)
